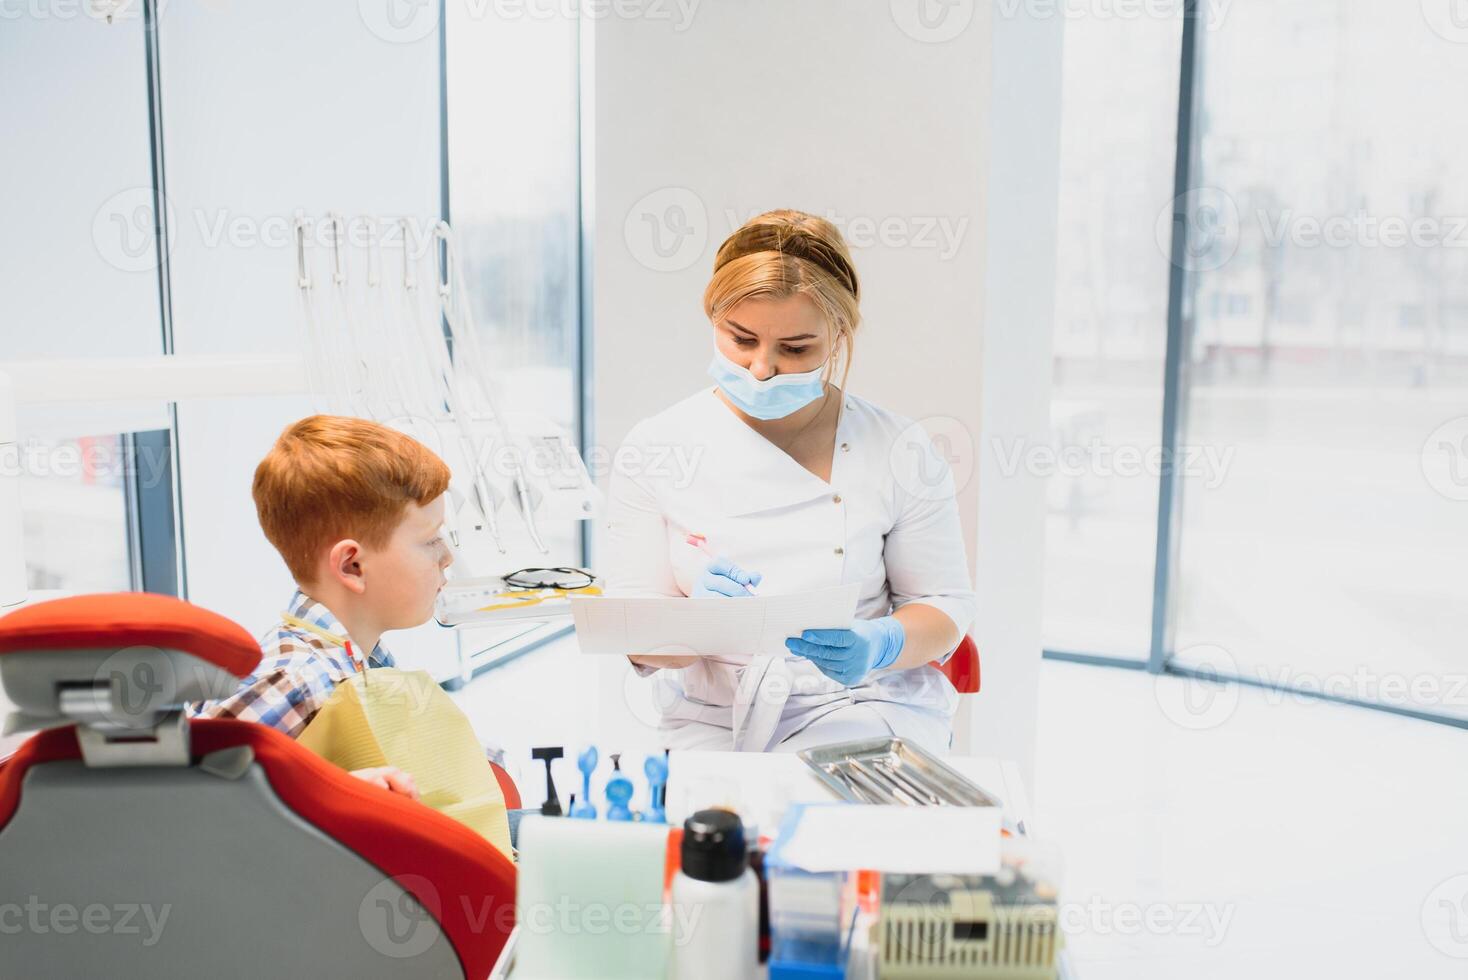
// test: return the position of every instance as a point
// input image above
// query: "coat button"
(840, 551)
(836, 499)
(846, 447)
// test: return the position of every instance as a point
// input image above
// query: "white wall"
(864, 113)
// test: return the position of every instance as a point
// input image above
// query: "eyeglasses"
(569, 579)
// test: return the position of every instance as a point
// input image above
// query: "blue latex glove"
(848, 656)
(724, 578)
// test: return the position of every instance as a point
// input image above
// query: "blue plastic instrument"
(619, 791)
(656, 768)
(586, 762)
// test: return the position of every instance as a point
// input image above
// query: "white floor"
(1324, 838)
(1207, 833)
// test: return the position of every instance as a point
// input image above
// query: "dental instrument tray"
(892, 772)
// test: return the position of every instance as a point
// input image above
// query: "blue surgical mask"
(772, 398)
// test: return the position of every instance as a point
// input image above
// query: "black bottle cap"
(713, 846)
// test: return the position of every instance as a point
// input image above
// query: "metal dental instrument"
(460, 319)
(446, 381)
(892, 786)
(897, 776)
(872, 787)
(861, 794)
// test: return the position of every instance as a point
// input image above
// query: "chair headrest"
(125, 619)
(132, 654)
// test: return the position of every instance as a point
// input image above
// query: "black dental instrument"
(552, 805)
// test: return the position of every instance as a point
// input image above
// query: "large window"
(1330, 353)
(1110, 332)
(78, 277)
(1318, 317)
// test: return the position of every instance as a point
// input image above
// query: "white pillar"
(1023, 118)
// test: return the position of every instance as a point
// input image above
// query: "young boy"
(355, 509)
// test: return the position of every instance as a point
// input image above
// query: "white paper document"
(751, 625)
(895, 839)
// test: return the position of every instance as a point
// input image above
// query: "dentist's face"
(774, 336)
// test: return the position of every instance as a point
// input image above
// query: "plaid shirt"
(296, 675)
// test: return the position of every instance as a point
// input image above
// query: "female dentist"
(795, 485)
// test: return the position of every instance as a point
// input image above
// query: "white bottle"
(715, 902)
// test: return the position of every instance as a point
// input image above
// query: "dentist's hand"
(848, 656)
(724, 578)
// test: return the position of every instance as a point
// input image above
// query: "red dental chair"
(962, 669)
(137, 843)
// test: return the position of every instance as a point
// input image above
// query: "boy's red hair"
(329, 477)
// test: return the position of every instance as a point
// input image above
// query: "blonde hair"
(786, 253)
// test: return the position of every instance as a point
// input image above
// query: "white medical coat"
(887, 519)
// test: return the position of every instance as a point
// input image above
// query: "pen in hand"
(701, 543)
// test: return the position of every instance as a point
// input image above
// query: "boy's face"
(407, 574)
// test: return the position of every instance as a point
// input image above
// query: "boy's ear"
(344, 565)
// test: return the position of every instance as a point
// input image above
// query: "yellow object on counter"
(531, 597)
